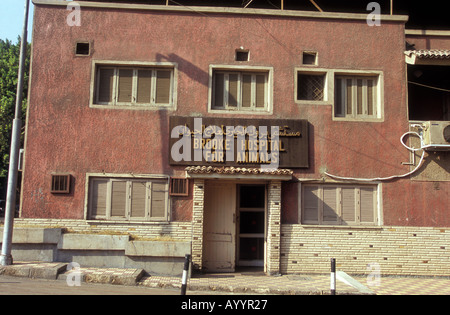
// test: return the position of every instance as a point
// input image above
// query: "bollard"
(187, 260)
(333, 276)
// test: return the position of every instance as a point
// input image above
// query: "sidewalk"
(225, 283)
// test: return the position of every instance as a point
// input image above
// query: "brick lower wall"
(177, 231)
(411, 251)
(408, 251)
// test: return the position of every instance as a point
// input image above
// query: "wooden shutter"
(339, 96)
(105, 85)
(330, 205)
(246, 90)
(138, 199)
(163, 86)
(349, 96)
(311, 200)
(144, 86)
(118, 198)
(367, 204)
(233, 89)
(370, 98)
(359, 97)
(158, 206)
(218, 89)
(99, 191)
(260, 94)
(348, 205)
(125, 88)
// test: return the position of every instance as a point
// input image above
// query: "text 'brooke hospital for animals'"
(239, 141)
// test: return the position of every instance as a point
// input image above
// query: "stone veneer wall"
(197, 224)
(273, 230)
(417, 251)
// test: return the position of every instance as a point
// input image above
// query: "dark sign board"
(271, 143)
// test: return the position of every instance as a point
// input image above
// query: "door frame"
(251, 263)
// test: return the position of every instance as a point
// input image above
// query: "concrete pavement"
(226, 283)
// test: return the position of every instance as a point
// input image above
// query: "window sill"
(342, 227)
(363, 120)
(239, 112)
(133, 107)
(126, 222)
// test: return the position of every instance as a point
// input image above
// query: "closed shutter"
(367, 205)
(330, 205)
(246, 90)
(370, 98)
(349, 96)
(311, 200)
(233, 89)
(260, 91)
(98, 202)
(125, 85)
(138, 199)
(218, 89)
(348, 205)
(144, 86)
(359, 97)
(158, 207)
(163, 86)
(105, 85)
(338, 103)
(118, 198)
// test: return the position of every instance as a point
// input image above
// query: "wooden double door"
(234, 227)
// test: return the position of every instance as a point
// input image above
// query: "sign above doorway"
(270, 143)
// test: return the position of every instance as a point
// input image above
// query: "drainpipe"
(6, 258)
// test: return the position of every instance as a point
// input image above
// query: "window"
(240, 90)
(128, 199)
(339, 205)
(356, 97)
(309, 58)
(82, 49)
(60, 184)
(179, 187)
(242, 55)
(134, 86)
(310, 87)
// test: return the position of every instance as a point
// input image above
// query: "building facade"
(244, 137)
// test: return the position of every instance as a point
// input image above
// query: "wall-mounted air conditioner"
(436, 135)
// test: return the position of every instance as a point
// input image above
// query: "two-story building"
(266, 138)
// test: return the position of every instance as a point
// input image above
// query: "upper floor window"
(241, 90)
(356, 97)
(134, 86)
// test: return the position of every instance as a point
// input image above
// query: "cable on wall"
(395, 176)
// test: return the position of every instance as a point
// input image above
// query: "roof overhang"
(211, 172)
(428, 57)
(203, 10)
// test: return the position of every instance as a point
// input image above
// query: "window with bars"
(339, 205)
(356, 97)
(310, 87)
(240, 90)
(128, 199)
(60, 184)
(139, 86)
(179, 187)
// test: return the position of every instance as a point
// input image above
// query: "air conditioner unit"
(436, 135)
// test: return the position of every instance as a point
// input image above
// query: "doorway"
(251, 227)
